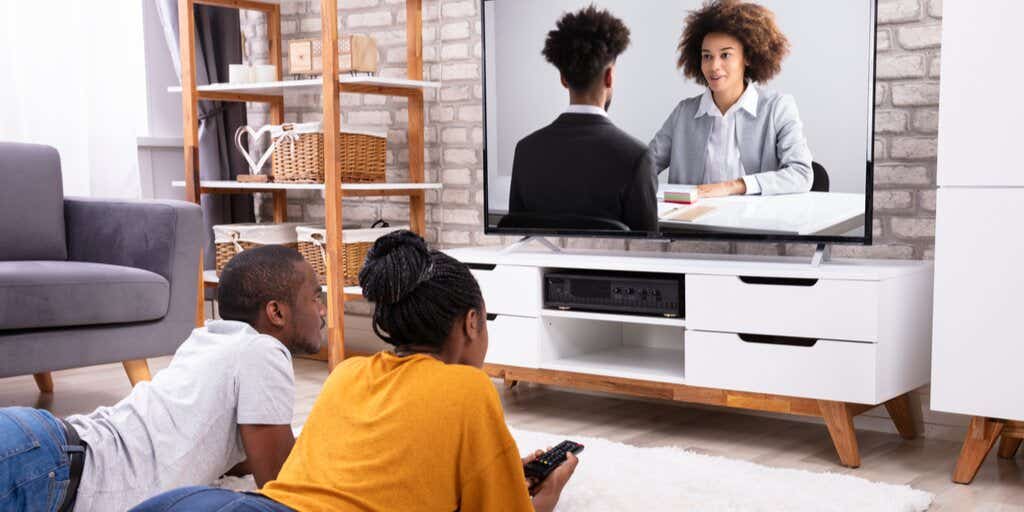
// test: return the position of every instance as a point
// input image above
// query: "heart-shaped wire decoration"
(254, 167)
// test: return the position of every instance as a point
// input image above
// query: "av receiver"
(611, 292)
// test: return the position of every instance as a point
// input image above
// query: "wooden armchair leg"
(137, 370)
(44, 381)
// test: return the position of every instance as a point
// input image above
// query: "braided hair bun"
(418, 293)
(395, 265)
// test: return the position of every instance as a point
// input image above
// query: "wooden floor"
(924, 464)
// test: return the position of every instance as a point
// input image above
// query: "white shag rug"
(618, 477)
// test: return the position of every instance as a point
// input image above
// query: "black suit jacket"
(583, 164)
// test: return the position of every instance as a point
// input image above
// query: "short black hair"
(255, 277)
(418, 293)
(584, 43)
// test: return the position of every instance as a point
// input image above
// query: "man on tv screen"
(581, 171)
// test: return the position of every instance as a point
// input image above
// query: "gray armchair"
(88, 281)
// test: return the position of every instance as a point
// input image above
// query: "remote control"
(539, 468)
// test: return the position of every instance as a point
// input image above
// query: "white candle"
(239, 74)
(266, 73)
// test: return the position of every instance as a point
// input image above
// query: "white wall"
(164, 109)
(74, 78)
(828, 73)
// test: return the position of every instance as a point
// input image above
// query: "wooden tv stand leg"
(1008, 447)
(900, 412)
(839, 420)
(981, 436)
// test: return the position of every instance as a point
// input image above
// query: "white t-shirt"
(182, 428)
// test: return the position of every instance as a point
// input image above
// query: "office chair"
(820, 183)
(560, 222)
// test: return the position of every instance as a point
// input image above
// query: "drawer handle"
(481, 266)
(492, 316)
(778, 281)
(778, 340)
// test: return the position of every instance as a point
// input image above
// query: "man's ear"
(564, 82)
(276, 313)
(609, 76)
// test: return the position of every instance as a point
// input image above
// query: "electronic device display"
(794, 163)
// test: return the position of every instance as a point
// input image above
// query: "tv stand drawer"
(812, 308)
(809, 368)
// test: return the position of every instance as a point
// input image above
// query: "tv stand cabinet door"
(513, 341)
(511, 290)
(978, 340)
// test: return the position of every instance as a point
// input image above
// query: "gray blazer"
(772, 144)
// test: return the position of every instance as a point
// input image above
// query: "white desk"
(811, 213)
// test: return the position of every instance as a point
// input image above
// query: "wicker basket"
(355, 244)
(299, 155)
(231, 239)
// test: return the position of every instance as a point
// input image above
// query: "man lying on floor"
(224, 403)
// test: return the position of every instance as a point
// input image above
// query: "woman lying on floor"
(419, 428)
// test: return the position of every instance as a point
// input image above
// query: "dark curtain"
(218, 44)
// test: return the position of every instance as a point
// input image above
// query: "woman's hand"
(735, 187)
(548, 491)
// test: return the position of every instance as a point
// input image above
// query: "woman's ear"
(471, 324)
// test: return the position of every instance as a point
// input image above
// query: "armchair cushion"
(47, 294)
(140, 234)
(31, 203)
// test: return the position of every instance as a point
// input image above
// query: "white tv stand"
(769, 334)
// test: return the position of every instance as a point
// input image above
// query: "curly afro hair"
(583, 43)
(764, 45)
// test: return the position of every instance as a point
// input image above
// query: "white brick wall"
(909, 36)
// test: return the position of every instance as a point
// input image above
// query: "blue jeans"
(34, 462)
(209, 499)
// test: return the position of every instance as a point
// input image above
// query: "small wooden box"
(358, 55)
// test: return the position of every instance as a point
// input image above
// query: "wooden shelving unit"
(331, 85)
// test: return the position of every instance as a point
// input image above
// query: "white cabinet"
(774, 335)
(979, 242)
(869, 322)
(979, 294)
(979, 245)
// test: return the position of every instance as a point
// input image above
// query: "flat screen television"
(801, 143)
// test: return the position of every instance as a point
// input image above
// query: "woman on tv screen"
(735, 138)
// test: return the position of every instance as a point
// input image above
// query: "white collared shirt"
(722, 157)
(586, 109)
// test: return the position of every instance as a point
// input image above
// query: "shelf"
(612, 317)
(210, 278)
(643, 363)
(348, 83)
(348, 189)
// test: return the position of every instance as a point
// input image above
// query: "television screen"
(680, 118)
